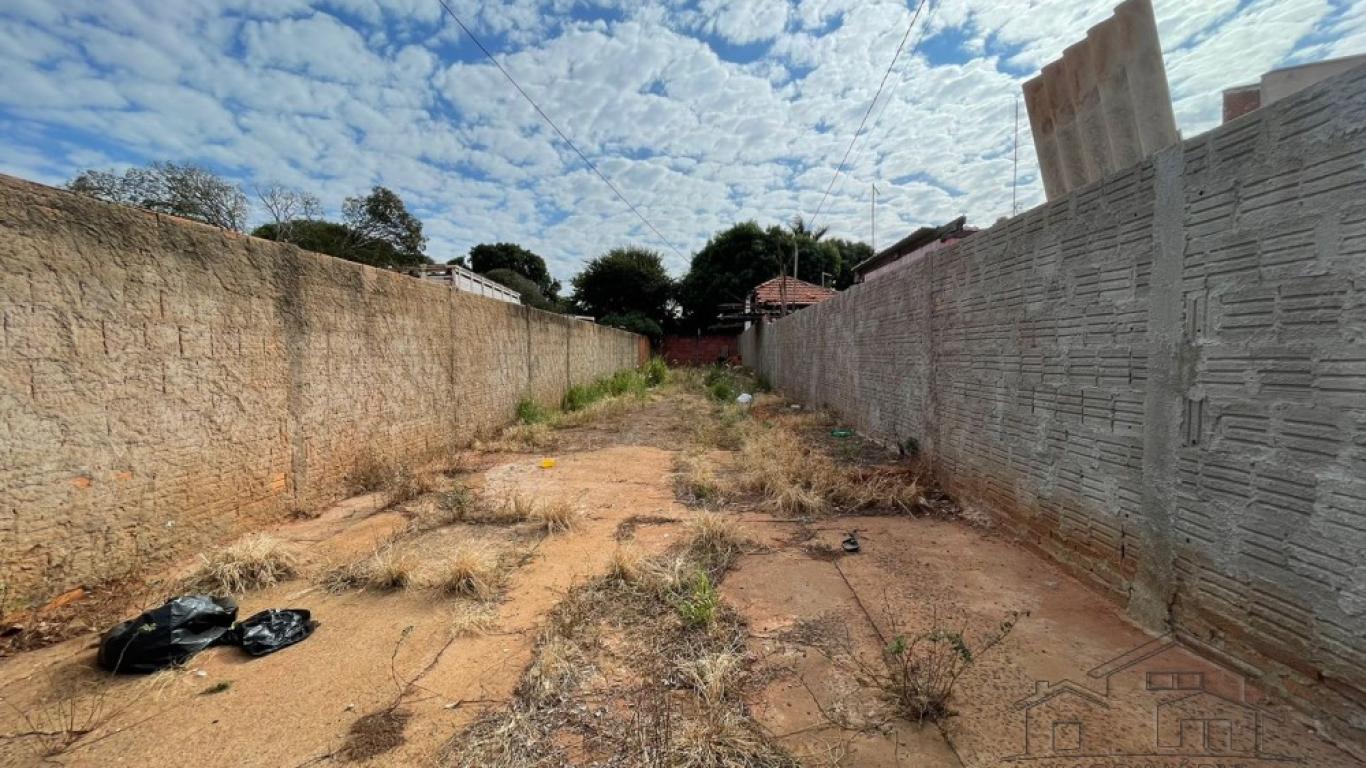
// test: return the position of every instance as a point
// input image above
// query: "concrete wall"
(1158, 380)
(165, 385)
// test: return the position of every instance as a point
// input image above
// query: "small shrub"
(626, 382)
(470, 573)
(918, 673)
(454, 505)
(581, 396)
(256, 562)
(656, 372)
(531, 412)
(722, 391)
(701, 604)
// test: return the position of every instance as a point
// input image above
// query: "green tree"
(726, 269)
(178, 189)
(624, 281)
(737, 259)
(333, 239)
(530, 292)
(381, 219)
(484, 258)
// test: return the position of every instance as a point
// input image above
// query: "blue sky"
(702, 112)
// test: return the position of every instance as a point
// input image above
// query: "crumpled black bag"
(271, 630)
(167, 635)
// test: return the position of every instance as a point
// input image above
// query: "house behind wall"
(1158, 380)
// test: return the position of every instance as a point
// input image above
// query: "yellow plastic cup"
(547, 463)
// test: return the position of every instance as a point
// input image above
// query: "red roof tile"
(799, 292)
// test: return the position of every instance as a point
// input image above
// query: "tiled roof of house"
(799, 292)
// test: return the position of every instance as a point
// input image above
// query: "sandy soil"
(377, 654)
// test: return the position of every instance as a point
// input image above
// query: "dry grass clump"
(398, 481)
(470, 573)
(626, 565)
(473, 619)
(386, 569)
(453, 505)
(715, 677)
(794, 478)
(714, 542)
(694, 480)
(559, 668)
(521, 438)
(255, 562)
(556, 515)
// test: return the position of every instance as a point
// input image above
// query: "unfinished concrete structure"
(166, 385)
(1159, 380)
(1104, 105)
(1280, 83)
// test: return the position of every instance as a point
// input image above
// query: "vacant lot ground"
(674, 591)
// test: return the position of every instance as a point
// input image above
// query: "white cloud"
(338, 95)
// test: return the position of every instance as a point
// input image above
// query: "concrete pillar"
(1045, 142)
(1081, 81)
(1147, 75)
(1065, 122)
(1116, 103)
(1164, 401)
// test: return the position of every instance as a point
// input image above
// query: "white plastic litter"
(745, 399)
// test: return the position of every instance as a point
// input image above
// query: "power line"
(866, 112)
(561, 133)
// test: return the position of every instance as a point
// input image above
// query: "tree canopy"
(184, 190)
(380, 218)
(625, 285)
(484, 258)
(737, 259)
(530, 292)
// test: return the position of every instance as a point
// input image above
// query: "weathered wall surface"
(1159, 380)
(165, 385)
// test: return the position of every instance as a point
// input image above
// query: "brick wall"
(682, 349)
(1158, 380)
(165, 385)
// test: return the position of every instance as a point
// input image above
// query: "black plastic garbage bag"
(167, 635)
(271, 630)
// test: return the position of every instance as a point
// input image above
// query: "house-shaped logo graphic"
(1159, 699)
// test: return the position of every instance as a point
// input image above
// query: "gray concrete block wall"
(1158, 380)
(165, 385)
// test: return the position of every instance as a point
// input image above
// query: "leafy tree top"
(381, 217)
(624, 281)
(485, 257)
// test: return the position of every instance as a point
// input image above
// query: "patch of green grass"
(581, 396)
(699, 606)
(531, 412)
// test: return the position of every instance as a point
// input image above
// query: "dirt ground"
(395, 678)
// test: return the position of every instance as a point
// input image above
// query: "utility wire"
(866, 112)
(557, 130)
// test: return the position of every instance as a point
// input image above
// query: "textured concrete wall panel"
(165, 385)
(1159, 380)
